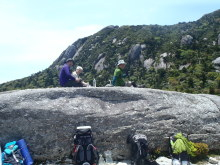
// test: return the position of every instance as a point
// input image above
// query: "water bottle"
(101, 160)
(108, 156)
(94, 82)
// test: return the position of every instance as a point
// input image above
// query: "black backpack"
(84, 152)
(139, 148)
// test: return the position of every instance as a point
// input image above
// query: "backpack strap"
(79, 153)
(89, 153)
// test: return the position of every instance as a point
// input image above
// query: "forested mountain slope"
(183, 57)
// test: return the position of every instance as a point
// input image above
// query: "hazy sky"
(33, 33)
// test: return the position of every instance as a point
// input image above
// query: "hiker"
(119, 75)
(182, 149)
(76, 74)
(65, 77)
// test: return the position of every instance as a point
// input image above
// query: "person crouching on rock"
(76, 74)
(119, 75)
(65, 77)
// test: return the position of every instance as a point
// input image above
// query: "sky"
(33, 33)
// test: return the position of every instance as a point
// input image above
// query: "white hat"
(121, 62)
(79, 68)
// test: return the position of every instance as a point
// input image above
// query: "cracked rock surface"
(47, 118)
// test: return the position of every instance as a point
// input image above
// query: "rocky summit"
(47, 118)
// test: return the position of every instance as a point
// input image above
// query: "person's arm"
(115, 77)
(67, 71)
(172, 143)
(114, 80)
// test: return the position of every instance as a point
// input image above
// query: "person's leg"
(72, 83)
(184, 157)
(133, 84)
(69, 83)
(176, 159)
(77, 84)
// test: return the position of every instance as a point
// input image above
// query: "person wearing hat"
(76, 74)
(65, 77)
(118, 74)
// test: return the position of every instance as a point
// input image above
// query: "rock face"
(47, 118)
(70, 52)
(186, 40)
(184, 66)
(219, 39)
(216, 64)
(148, 63)
(100, 65)
(161, 64)
(135, 52)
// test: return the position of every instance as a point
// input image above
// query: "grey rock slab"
(47, 118)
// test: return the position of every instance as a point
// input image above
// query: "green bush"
(202, 149)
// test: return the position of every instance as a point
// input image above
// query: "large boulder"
(219, 39)
(99, 66)
(162, 64)
(99, 63)
(186, 40)
(148, 63)
(216, 64)
(47, 118)
(134, 52)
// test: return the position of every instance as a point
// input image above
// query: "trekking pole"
(13, 154)
(188, 154)
(170, 147)
(19, 152)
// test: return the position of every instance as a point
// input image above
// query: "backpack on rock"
(84, 152)
(139, 148)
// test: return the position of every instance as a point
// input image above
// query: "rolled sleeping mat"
(25, 152)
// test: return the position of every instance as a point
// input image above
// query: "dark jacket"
(65, 75)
